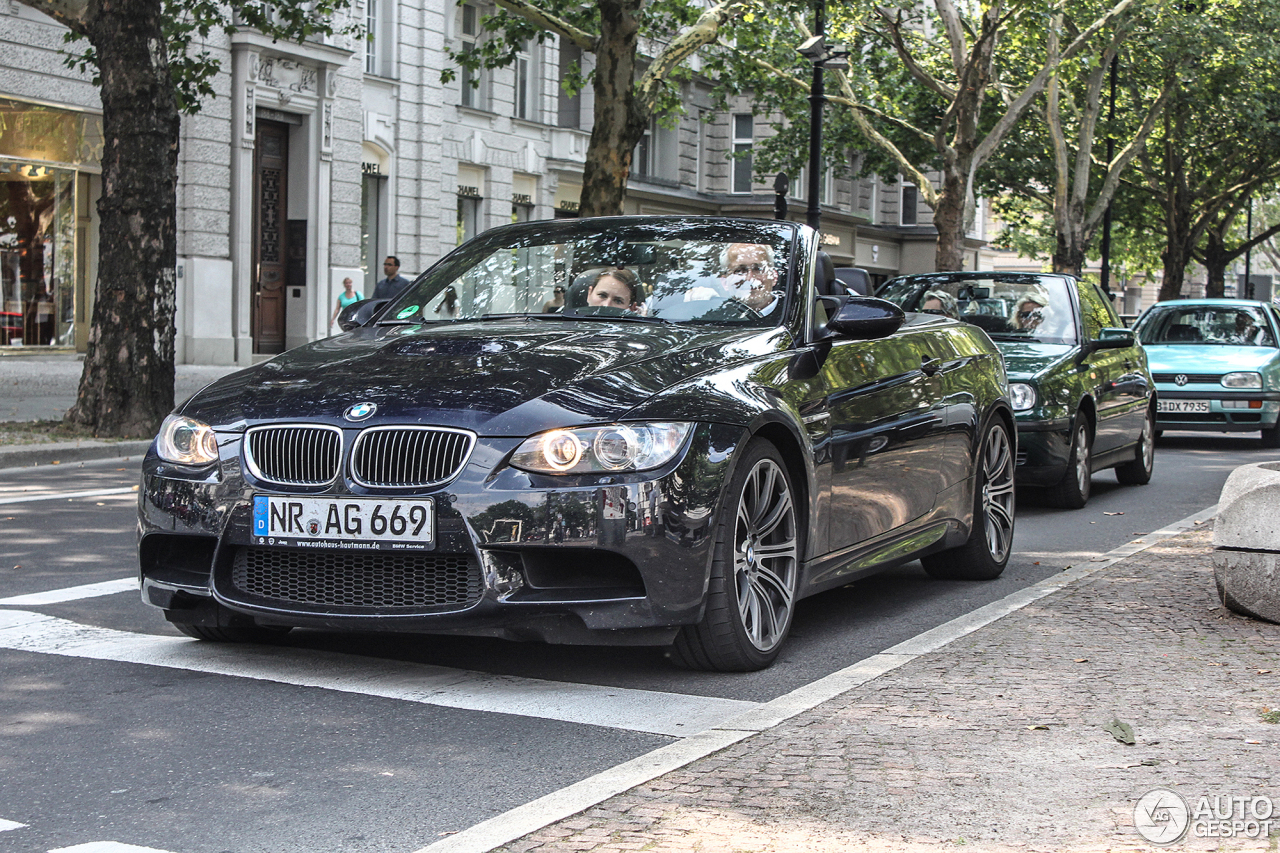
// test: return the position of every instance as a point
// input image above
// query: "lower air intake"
(358, 580)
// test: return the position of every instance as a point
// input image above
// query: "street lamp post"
(817, 100)
(823, 56)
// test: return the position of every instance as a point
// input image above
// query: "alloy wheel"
(764, 555)
(1084, 464)
(997, 493)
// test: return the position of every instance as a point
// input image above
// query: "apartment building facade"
(314, 161)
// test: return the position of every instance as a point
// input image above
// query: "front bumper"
(587, 559)
(1222, 416)
(1044, 446)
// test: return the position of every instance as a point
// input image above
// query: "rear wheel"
(1073, 491)
(754, 572)
(986, 553)
(1138, 472)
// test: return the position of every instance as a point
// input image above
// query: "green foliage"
(773, 36)
(188, 24)
(504, 34)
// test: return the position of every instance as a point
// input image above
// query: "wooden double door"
(271, 248)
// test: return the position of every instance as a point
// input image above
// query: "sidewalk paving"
(997, 741)
(39, 386)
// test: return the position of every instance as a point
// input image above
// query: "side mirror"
(360, 313)
(1114, 339)
(865, 317)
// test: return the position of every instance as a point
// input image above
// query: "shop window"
(468, 218)
(372, 195)
(37, 254)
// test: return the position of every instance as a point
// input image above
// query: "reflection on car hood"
(1023, 360)
(505, 377)
(1192, 358)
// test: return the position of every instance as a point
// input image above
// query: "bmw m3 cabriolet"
(638, 430)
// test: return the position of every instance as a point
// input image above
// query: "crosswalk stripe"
(55, 496)
(107, 847)
(10, 824)
(651, 712)
(73, 593)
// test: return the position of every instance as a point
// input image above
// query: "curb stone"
(31, 455)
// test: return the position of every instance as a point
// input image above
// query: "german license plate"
(344, 523)
(1182, 406)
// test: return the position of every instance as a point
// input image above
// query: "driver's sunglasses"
(750, 269)
(1026, 315)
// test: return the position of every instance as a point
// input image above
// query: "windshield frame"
(1158, 320)
(1058, 323)
(629, 236)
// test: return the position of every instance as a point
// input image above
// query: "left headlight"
(1022, 396)
(186, 441)
(1242, 380)
(610, 448)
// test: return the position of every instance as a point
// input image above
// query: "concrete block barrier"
(1246, 542)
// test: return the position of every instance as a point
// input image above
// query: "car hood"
(1023, 360)
(497, 377)
(1190, 358)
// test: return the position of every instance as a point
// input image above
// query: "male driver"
(750, 275)
(390, 287)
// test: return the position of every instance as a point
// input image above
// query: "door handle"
(930, 366)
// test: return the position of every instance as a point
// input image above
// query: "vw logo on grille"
(1180, 380)
(360, 411)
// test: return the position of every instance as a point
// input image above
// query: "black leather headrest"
(824, 277)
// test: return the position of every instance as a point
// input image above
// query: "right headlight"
(1242, 379)
(592, 450)
(1022, 396)
(186, 441)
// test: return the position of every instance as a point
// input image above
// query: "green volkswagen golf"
(1079, 381)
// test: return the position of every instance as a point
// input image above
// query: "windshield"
(1224, 325)
(1034, 308)
(679, 270)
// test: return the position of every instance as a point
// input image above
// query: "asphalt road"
(116, 729)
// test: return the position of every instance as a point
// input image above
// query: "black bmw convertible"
(641, 430)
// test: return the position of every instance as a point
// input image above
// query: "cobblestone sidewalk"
(997, 741)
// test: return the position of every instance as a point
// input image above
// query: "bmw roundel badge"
(360, 411)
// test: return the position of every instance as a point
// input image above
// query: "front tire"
(1073, 491)
(1271, 437)
(986, 553)
(754, 571)
(1138, 472)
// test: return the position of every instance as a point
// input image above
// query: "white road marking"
(107, 847)
(558, 805)
(57, 496)
(652, 712)
(73, 593)
(6, 825)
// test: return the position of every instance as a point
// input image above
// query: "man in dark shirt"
(390, 287)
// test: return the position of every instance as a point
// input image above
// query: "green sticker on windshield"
(407, 312)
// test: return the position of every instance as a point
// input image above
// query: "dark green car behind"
(1079, 381)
